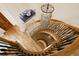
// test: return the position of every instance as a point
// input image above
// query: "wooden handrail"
(68, 50)
(25, 41)
(4, 23)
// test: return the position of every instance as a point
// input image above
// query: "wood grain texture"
(24, 40)
(68, 50)
(4, 23)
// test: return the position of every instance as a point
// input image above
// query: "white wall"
(68, 13)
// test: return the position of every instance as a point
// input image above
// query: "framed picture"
(27, 14)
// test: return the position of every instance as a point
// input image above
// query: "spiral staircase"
(54, 38)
